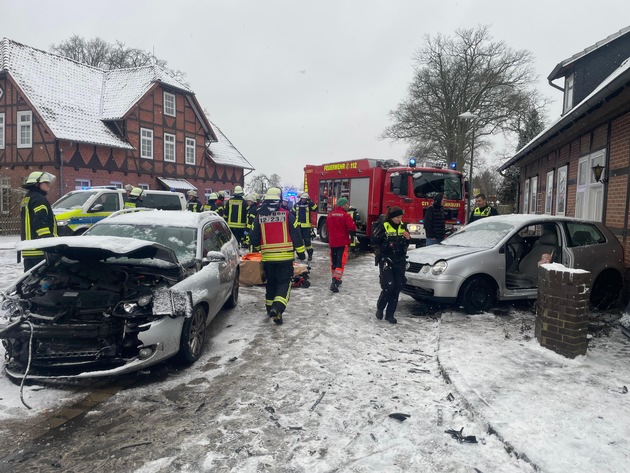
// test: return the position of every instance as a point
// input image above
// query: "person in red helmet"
(340, 228)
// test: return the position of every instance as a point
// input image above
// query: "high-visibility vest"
(302, 213)
(482, 213)
(275, 236)
(38, 221)
(236, 215)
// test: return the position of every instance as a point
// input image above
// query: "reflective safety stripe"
(39, 208)
(482, 213)
(280, 256)
(42, 231)
(391, 231)
(130, 205)
(28, 253)
(235, 223)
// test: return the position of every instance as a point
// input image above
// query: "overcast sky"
(293, 82)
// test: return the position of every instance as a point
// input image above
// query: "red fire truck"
(372, 186)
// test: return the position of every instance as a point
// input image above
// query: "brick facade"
(101, 165)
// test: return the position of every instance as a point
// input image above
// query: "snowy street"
(316, 394)
(311, 395)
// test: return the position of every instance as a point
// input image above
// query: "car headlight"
(144, 301)
(413, 227)
(62, 223)
(439, 267)
(129, 307)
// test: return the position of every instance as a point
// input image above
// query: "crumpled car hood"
(99, 248)
(432, 254)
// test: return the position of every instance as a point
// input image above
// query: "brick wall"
(562, 310)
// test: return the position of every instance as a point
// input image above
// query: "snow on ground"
(315, 393)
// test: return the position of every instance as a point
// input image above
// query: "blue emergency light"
(452, 165)
(412, 162)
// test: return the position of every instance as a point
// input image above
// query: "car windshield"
(182, 240)
(428, 184)
(73, 200)
(485, 234)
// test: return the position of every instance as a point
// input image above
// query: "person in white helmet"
(193, 205)
(277, 236)
(236, 214)
(302, 211)
(135, 198)
(37, 218)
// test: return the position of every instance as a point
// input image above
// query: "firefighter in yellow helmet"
(37, 218)
(276, 235)
(215, 204)
(236, 214)
(193, 205)
(302, 211)
(135, 198)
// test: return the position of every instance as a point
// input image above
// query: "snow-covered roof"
(615, 80)
(73, 98)
(559, 70)
(177, 184)
(122, 88)
(224, 152)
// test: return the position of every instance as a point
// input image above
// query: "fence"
(9, 225)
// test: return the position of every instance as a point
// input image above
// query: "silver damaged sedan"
(497, 258)
(136, 289)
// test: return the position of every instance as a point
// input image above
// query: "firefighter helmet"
(213, 196)
(192, 193)
(273, 193)
(221, 195)
(238, 190)
(37, 177)
(136, 192)
(128, 187)
(304, 195)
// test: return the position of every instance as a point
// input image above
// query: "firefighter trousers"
(338, 258)
(278, 276)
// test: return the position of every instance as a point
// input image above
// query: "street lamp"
(465, 117)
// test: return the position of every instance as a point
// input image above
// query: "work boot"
(391, 319)
(276, 316)
(310, 255)
(379, 313)
(334, 285)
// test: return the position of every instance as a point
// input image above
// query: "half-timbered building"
(92, 127)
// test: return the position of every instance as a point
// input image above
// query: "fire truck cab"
(372, 186)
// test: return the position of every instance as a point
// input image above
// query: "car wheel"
(477, 295)
(193, 336)
(606, 290)
(323, 232)
(233, 300)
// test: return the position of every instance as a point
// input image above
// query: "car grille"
(415, 267)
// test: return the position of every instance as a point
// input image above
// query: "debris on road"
(399, 416)
(460, 437)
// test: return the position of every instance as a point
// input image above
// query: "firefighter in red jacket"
(277, 235)
(340, 228)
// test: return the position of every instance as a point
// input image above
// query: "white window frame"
(561, 194)
(82, 184)
(526, 197)
(549, 193)
(144, 187)
(5, 194)
(21, 125)
(191, 151)
(2, 128)
(170, 148)
(533, 195)
(146, 143)
(589, 194)
(568, 93)
(171, 112)
(116, 184)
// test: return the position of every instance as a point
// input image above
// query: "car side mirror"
(213, 257)
(97, 208)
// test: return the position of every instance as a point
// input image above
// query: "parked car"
(136, 289)
(78, 210)
(496, 258)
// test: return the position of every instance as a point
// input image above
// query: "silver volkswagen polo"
(496, 258)
(136, 289)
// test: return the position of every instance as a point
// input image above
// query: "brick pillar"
(562, 309)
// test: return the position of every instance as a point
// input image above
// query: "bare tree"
(466, 72)
(99, 53)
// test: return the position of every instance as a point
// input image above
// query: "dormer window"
(169, 104)
(568, 94)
